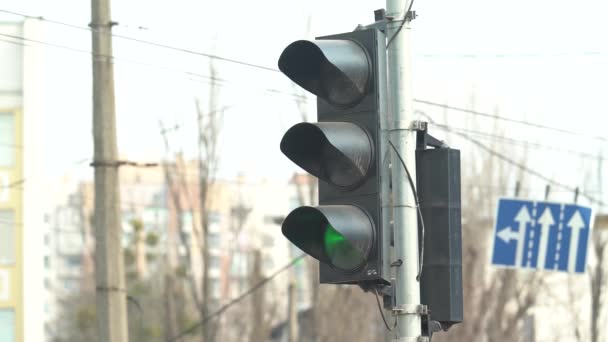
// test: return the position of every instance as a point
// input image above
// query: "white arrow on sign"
(506, 234)
(546, 220)
(522, 217)
(576, 223)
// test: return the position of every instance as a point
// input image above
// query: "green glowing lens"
(340, 251)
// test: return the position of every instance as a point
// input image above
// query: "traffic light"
(438, 188)
(347, 73)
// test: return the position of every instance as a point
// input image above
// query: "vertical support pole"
(404, 140)
(292, 314)
(385, 189)
(257, 299)
(547, 191)
(109, 265)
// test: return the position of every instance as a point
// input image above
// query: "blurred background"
(519, 87)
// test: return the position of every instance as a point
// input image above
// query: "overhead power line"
(502, 118)
(117, 163)
(113, 58)
(221, 310)
(20, 182)
(517, 142)
(223, 82)
(519, 165)
(142, 41)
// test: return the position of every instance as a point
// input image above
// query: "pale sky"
(540, 61)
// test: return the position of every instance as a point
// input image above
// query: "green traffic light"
(340, 251)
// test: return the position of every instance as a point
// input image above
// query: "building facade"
(11, 199)
(22, 192)
(161, 229)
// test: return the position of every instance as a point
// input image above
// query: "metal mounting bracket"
(414, 339)
(424, 139)
(379, 22)
(406, 309)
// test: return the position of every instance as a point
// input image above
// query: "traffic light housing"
(346, 72)
(438, 188)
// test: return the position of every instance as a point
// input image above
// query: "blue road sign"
(541, 235)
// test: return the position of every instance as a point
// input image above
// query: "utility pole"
(109, 263)
(403, 136)
(257, 299)
(292, 313)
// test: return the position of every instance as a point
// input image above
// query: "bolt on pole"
(404, 139)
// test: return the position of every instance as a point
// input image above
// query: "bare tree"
(496, 301)
(262, 311)
(176, 187)
(208, 159)
(597, 276)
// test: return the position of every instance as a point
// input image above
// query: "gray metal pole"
(109, 265)
(404, 138)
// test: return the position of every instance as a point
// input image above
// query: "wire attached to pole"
(415, 193)
(382, 312)
(405, 17)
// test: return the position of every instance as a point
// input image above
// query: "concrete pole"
(257, 299)
(292, 313)
(404, 139)
(109, 264)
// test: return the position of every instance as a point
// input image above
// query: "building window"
(239, 266)
(268, 263)
(73, 262)
(47, 262)
(4, 187)
(187, 221)
(7, 325)
(214, 262)
(215, 288)
(214, 240)
(7, 139)
(7, 236)
(70, 284)
(267, 240)
(213, 217)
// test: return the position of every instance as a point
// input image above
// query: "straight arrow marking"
(546, 220)
(576, 223)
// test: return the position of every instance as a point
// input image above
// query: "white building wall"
(34, 193)
(18, 80)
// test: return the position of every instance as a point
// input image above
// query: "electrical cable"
(382, 313)
(213, 80)
(519, 165)
(516, 142)
(21, 181)
(415, 193)
(112, 58)
(221, 310)
(502, 118)
(276, 70)
(142, 41)
(407, 12)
